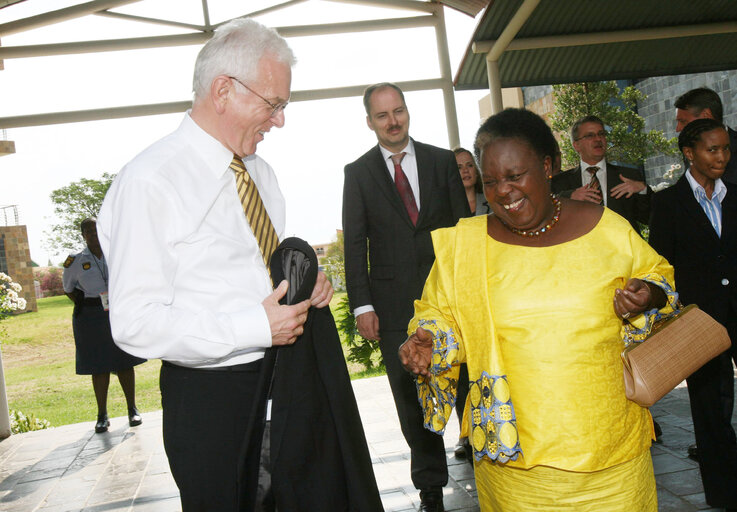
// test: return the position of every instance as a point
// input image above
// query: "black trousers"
(429, 466)
(462, 391)
(205, 418)
(711, 393)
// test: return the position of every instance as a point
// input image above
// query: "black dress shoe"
(431, 501)
(460, 449)
(693, 452)
(102, 423)
(658, 432)
(134, 419)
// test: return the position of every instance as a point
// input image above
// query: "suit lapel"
(729, 214)
(425, 167)
(379, 172)
(577, 177)
(692, 209)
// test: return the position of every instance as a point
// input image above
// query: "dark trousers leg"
(429, 467)
(205, 418)
(711, 393)
(462, 392)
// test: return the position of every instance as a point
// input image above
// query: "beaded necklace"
(543, 230)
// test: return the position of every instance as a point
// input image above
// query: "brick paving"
(72, 469)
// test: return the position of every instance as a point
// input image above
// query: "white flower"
(9, 298)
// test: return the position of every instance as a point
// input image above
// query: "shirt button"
(725, 281)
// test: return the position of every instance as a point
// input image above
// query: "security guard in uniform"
(85, 282)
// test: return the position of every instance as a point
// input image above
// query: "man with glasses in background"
(188, 227)
(626, 191)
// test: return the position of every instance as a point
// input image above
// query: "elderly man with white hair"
(188, 227)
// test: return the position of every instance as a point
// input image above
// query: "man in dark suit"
(393, 197)
(626, 191)
(705, 103)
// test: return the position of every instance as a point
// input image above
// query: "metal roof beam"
(500, 46)
(511, 29)
(410, 5)
(351, 27)
(103, 45)
(68, 13)
(155, 21)
(107, 45)
(180, 106)
(619, 36)
(206, 13)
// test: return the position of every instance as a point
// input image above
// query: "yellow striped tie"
(255, 211)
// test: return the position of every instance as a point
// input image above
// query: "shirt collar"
(409, 149)
(720, 189)
(601, 165)
(217, 157)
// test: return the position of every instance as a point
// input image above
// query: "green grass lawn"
(38, 358)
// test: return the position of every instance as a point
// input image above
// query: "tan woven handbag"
(675, 348)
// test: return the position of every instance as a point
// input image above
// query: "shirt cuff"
(251, 328)
(362, 309)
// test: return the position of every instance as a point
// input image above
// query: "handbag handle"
(631, 334)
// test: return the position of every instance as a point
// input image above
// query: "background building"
(15, 255)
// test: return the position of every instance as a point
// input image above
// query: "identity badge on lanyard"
(103, 295)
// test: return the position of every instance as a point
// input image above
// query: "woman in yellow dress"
(532, 297)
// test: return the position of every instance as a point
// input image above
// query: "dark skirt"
(96, 350)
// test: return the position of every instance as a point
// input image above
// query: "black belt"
(92, 301)
(245, 367)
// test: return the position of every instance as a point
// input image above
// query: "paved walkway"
(71, 469)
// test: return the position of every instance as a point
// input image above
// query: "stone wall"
(660, 114)
(15, 260)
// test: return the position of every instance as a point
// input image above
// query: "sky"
(308, 154)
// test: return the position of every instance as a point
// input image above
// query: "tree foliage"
(72, 204)
(359, 349)
(628, 141)
(335, 266)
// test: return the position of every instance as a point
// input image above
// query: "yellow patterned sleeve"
(651, 267)
(434, 313)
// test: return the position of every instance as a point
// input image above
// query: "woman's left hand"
(415, 354)
(633, 299)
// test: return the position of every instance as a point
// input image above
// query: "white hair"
(235, 50)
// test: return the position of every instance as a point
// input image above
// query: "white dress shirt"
(601, 174)
(409, 167)
(186, 274)
(712, 207)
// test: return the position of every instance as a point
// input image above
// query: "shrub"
(50, 280)
(20, 423)
(360, 350)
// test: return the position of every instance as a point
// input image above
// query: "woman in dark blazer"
(694, 225)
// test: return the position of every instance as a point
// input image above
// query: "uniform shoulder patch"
(86, 265)
(68, 261)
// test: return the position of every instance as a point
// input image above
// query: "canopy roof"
(587, 40)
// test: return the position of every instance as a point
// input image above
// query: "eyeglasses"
(590, 136)
(276, 108)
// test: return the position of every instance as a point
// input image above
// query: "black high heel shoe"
(102, 423)
(134, 419)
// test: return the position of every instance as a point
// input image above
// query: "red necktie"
(405, 191)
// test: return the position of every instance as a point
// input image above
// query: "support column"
(495, 85)
(4, 415)
(451, 115)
